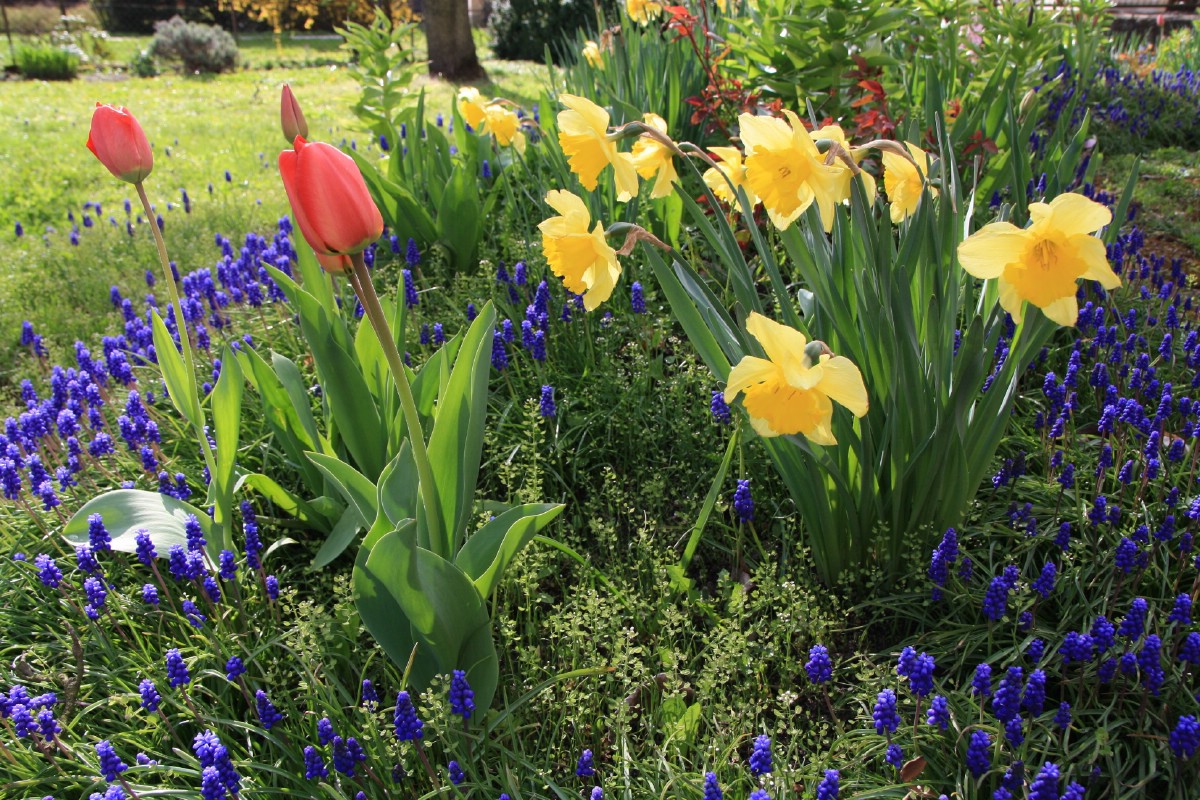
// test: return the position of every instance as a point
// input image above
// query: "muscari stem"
(360, 279)
(185, 341)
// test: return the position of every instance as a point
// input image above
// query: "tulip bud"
(119, 142)
(291, 117)
(330, 201)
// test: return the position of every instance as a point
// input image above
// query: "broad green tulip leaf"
(398, 487)
(459, 220)
(343, 533)
(373, 364)
(456, 443)
(181, 384)
(355, 416)
(127, 511)
(407, 595)
(226, 407)
(434, 373)
(490, 550)
(315, 280)
(288, 420)
(353, 485)
(292, 381)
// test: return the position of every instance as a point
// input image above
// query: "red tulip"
(290, 116)
(329, 199)
(120, 143)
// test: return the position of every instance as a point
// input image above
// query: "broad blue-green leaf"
(407, 595)
(354, 486)
(351, 404)
(459, 220)
(127, 511)
(398, 487)
(492, 548)
(226, 407)
(181, 385)
(343, 533)
(456, 443)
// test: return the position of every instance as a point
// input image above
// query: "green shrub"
(47, 62)
(143, 65)
(196, 47)
(525, 28)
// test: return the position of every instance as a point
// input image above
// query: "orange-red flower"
(330, 201)
(120, 143)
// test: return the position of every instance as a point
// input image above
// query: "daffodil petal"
(750, 371)
(990, 249)
(1064, 311)
(842, 382)
(1092, 252)
(1011, 301)
(780, 342)
(768, 133)
(1074, 214)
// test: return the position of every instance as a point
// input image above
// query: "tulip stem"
(360, 279)
(185, 340)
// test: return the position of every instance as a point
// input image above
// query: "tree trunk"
(451, 48)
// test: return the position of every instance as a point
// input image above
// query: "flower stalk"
(364, 288)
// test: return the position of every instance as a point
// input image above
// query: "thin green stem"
(185, 341)
(360, 279)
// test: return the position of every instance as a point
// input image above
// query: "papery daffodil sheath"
(794, 388)
(582, 258)
(785, 169)
(728, 176)
(503, 123)
(643, 12)
(845, 175)
(1041, 263)
(583, 136)
(904, 181)
(651, 157)
(471, 105)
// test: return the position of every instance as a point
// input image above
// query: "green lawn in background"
(200, 128)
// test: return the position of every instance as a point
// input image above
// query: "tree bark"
(451, 48)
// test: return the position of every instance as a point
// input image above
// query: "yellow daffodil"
(503, 123)
(643, 12)
(1041, 263)
(471, 106)
(786, 171)
(651, 157)
(583, 136)
(592, 54)
(835, 133)
(904, 181)
(730, 167)
(582, 258)
(793, 389)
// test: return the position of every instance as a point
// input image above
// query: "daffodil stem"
(360, 279)
(185, 341)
